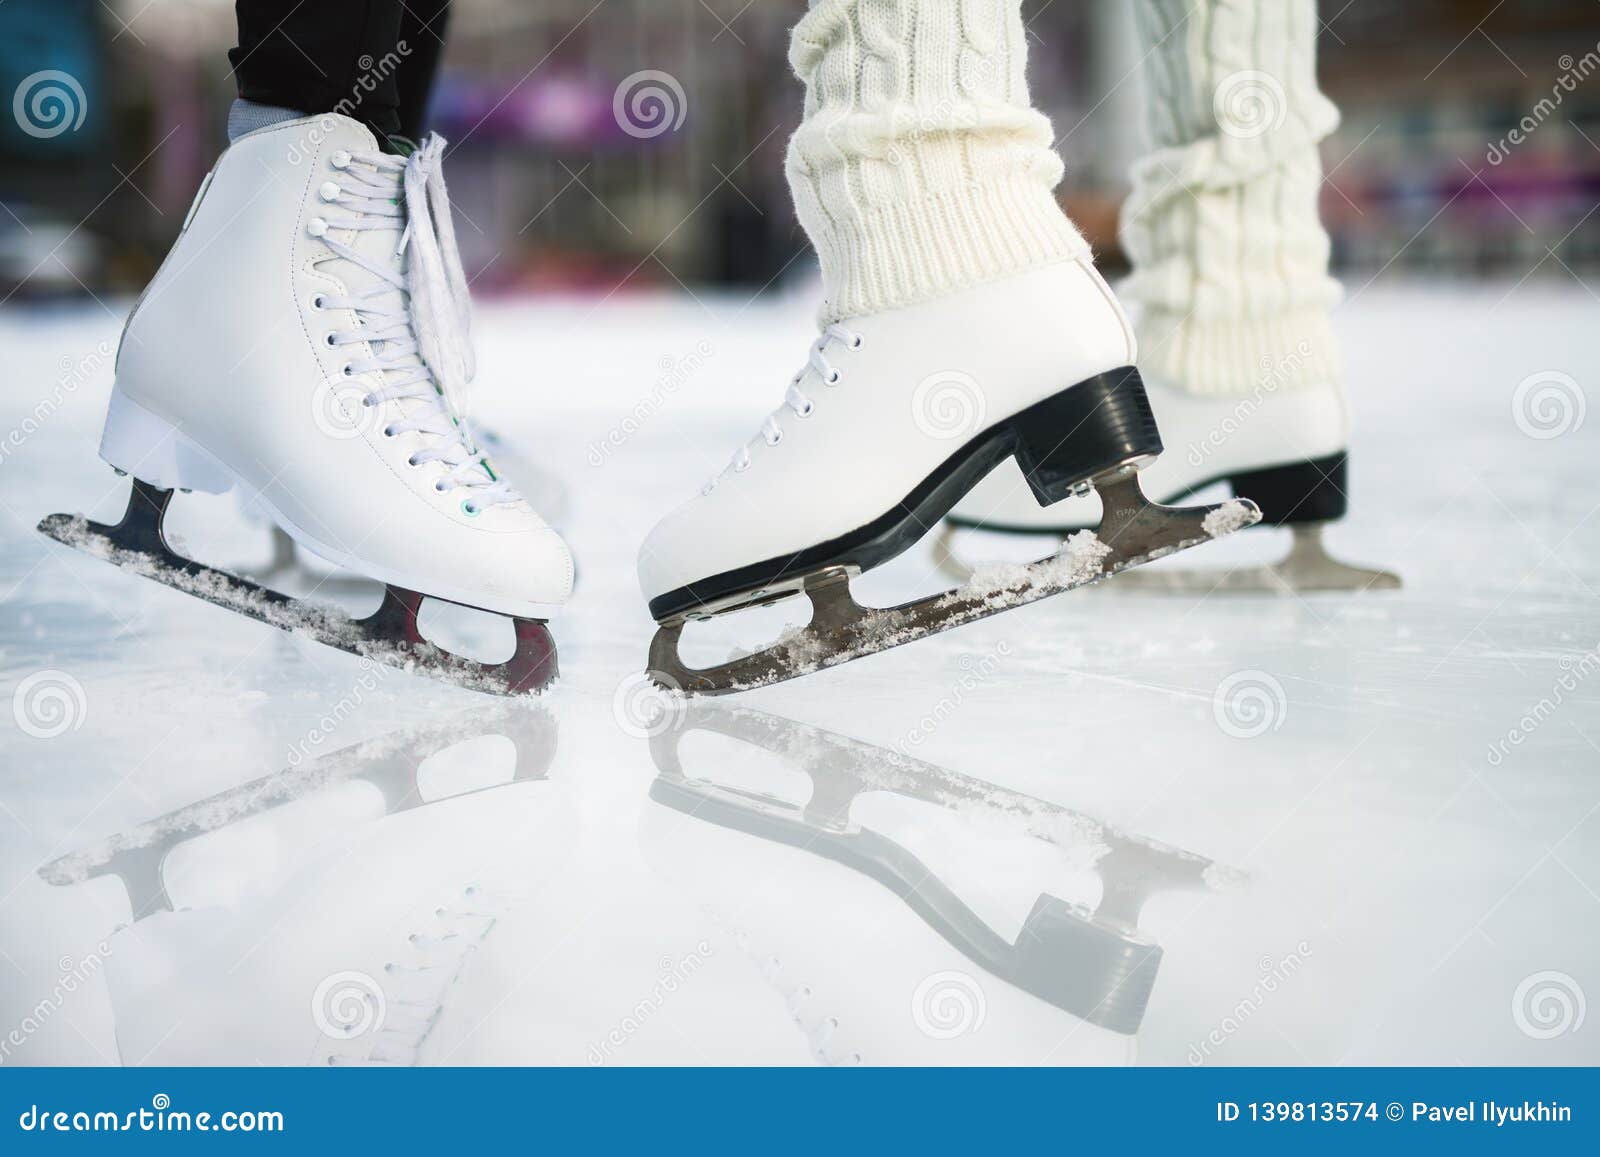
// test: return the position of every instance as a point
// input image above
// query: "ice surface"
(1395, 797)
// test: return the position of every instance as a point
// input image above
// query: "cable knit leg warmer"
(920, 167)
(1230, 286)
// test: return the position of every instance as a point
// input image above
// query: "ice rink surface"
(1106, 828)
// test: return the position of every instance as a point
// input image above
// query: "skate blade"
(1133, 531)
(1308, 568)
(388, 636)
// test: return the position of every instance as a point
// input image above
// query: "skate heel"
(1084, 431)
(147, 446)
(1312, 491)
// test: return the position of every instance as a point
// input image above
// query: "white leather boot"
(894, 417)
(885, 407)
(306, 340)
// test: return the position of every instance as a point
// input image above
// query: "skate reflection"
(1091, 961)
(391, 763)
(305, 917)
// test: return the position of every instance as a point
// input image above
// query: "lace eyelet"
(412, 462)
(316, 227)
(807, 412)
(368, 402)
(340, 159)
(440, 487)
(388, 431)
(329, 340)
(741, 467)
(857, 342)
(329, 191)
(469, 509)
(316, 302)
(833, 378)
(349, 373)
(775, 441)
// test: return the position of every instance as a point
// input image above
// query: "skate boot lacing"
(415, 316)
(794, 397)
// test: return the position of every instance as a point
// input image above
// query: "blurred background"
(552, 193)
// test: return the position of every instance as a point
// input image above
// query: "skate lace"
(794, 398)
(415, 318)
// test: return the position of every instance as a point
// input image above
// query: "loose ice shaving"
(1232, 515)
(1079, 560)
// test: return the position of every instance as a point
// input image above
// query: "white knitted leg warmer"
(920, 167)
(1230, 288)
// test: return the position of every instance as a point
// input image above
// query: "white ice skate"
(893, 419)
(306, 340)
(1283, 449)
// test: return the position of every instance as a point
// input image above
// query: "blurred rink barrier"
(606, 144)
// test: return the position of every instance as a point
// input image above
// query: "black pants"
(374, 60)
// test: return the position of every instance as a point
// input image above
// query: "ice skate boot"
(1284, 449)
(306, 340)
(895, 416)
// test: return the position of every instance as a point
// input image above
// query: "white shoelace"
(794, 398)
(421, 346)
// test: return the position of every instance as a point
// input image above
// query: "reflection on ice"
(391, 763)
(1089, 960)
(306, 917)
